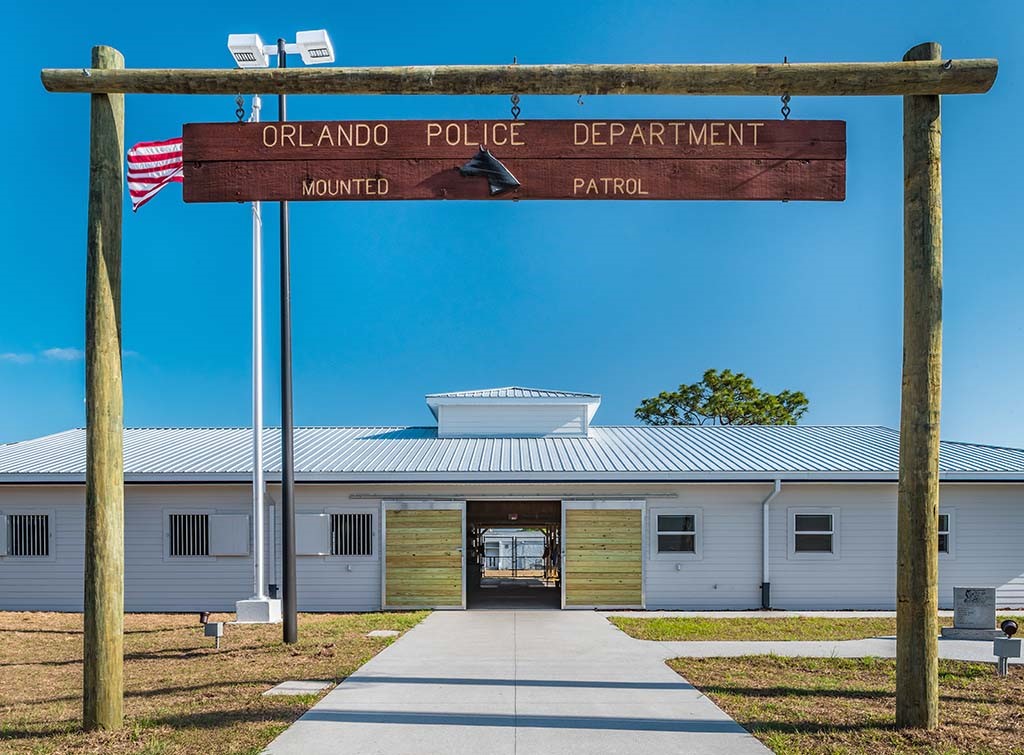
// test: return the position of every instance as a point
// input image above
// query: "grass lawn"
(782, 628)
(181, 695)
(798, 706)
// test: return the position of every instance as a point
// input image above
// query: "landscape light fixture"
(249, 51)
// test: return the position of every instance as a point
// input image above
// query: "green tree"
(722, 398)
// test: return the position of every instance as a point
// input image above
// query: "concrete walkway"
(500, 682)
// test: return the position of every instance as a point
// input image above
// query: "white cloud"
(63, 354)
(14, 358)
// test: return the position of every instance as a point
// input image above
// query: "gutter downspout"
(766, 591)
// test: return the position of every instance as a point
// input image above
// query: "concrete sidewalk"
(516, 681)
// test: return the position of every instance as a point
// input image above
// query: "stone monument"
(974, 614)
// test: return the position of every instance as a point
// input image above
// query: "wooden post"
(103, 667)
(917, 695)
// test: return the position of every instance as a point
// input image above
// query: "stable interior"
(513, 554)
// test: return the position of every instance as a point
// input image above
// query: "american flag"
(151, 166)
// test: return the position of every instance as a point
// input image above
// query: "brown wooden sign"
(556, 159)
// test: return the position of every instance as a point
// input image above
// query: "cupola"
(513, 412)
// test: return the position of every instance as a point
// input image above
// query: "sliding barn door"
(424, 559)
(602, 554)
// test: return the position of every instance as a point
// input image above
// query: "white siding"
(988, 546)
(864, 573)
(472, 420)
(987, 542)
(155, 581)
(332, 583)
(54, 583)
(727, 575)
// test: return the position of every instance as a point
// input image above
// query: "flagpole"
(259, 608)
(259, 569)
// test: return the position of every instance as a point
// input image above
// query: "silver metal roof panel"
(412, 453)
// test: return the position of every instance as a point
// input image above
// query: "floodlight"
(315, 46)
(247, 50)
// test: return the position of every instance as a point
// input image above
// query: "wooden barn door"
(602, 554)
(424, 554)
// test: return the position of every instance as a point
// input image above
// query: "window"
(812, 533)
(28, 534)
(352, 534)
(677, 533)
(944, 533)
(190, 534)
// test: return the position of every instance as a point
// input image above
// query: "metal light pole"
(290, 610)
(250, 52)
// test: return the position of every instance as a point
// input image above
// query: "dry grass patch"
(798, 706)
(181, 695)
(743, 628)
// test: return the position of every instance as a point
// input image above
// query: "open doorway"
(513, 554)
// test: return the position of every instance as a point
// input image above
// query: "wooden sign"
(556, 159)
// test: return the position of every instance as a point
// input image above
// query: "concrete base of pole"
(258, 611)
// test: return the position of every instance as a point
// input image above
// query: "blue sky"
(395, 300)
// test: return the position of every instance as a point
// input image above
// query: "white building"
(659, 517)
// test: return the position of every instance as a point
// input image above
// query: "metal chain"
(516, 110)
(785, 97)
(579, 100)
(240, 110)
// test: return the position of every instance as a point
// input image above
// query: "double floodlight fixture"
(249, 51)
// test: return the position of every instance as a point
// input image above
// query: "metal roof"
(513, 391)
(805, 452)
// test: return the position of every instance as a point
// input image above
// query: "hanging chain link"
(516, 110)
(240, 109)
(786, 110)
(579, 100)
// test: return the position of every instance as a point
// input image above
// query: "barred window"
(190, 534)
(28, 535)
(352, 534)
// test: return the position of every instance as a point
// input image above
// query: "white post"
(259, 608)
(257, 388)
(258, 549)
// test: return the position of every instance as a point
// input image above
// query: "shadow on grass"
(195, 689)
(851, 694)
(32, 630)
(818, 727)
(815, 727)
(855, 694)
(208, 719)
(181, 653)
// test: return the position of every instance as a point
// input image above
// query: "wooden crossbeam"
(973, 76)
